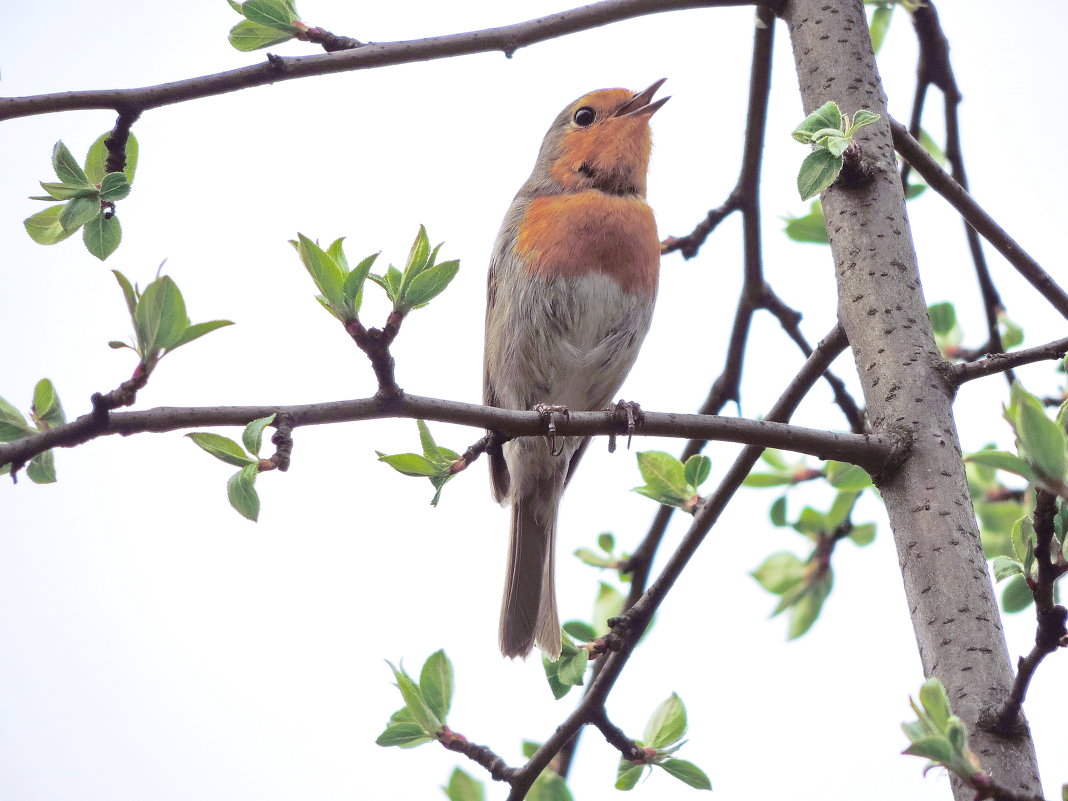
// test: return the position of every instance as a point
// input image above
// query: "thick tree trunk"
(882, 309)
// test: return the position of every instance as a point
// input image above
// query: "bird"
(572, 283)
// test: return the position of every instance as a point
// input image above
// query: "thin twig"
(1002, 362)
(1050, 633)
(943, 183)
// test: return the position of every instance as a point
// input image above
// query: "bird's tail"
(528, 612)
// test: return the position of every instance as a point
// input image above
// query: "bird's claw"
(547, 410)
(628, 415)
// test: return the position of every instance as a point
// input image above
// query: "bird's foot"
(627, 415)
(548, 410)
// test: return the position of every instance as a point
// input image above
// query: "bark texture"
(882, 308)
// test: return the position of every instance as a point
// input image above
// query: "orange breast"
(576, 233)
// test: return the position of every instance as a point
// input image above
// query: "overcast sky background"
(155, 645)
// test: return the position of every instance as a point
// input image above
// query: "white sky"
(158, 646)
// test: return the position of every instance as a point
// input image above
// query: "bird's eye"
(585, 116)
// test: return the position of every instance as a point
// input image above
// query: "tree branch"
(1002, 362)
(872, 452)
(943, 183)
(275, 69)
(934, 68)
(1050, 633)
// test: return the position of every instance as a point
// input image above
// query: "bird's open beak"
(639, 104)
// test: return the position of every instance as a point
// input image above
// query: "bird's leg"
(547, 410)
(629, 416)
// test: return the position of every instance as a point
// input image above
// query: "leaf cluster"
(241, 487)
(661, 739)
(436, 463)
(939, 735)
(341, 289)
(670, 482)
(265, 23)
(804, 585)
(46, 412)
(426, 704)
(160, 322)
(89, 196)
(830, 133)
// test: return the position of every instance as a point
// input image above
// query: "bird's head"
(601, 141)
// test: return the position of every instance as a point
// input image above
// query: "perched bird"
(572, 284)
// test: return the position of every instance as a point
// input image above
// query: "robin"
(572, 284)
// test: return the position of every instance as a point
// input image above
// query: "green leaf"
(416, 703)
(436, 684)
(197, 330)
(324, 271)
(773, 456)
(840, 508)
(46, 405)
(608, 604)
(1002, 460)
(462, 787)
(914, 190)
(114, 187)
(403, 735)
(78, 212)
(42, 468)
(241, 491)
(826, 116)
(60, 191)
(935, 702)
(354, 281)
(628, 774)
(935, 748)
(580, 630)
(572, 668)
(811, 522)
(767, 480)
(606, 541)
(777, 512)
(862, 118)
(96, 159)
(686, 772)
(1004, 567)
(248, 35)
(836, 145)
(270, 13)
(1041, 439)
(67, 168)
(1017, 595)
(549, 786)
(430, 283)
(810, 228)
(880, 21)
(252, 436)
(667, 724)
(418, 255)
(44, 227)
(102, 235)
(410, 464)
(160, 317)
(12, 424)
(663, 474)
(845, 476)
(128, 292)
(593, 558)
(1011, 334)
(697, 470)
(780, 572)
(807, 608)
(943, 317)
(430, 448)
(818, 171)
(222, 448)
(863, 534)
